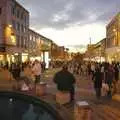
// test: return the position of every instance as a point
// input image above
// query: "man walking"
(65, 81)
(98, 82)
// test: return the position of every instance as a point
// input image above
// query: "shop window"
(18, 27)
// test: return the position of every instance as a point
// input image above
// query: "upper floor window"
(18, 40)
(18, 26)
(22, 41)
(14, 24)
(0, 11)
(18, 13)
(22, 28)
(13, 10)
(22, 15)
(25, 19)
(30, 37)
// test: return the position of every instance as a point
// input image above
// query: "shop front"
(25, 57)
(8, 58)
(113, 54)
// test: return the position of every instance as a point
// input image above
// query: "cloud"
(75, 35)
(62, 13)
(71, 22)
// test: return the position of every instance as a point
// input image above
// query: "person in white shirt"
(37, 71)
(92, 70)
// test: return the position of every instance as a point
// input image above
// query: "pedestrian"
(27, 72)
(37, 71)
(92, 70)
(116, 78)
(15, 68)
(109, 76)
(65, 81)
(98, 82)
(116, 72)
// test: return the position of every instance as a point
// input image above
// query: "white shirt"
(92, 67)
(102, 69)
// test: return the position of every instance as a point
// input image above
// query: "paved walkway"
(104, 109)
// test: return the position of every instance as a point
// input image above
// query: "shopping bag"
(105, 89)
(105, 86)
(41, 89)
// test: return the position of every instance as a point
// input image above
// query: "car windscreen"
(13, 108)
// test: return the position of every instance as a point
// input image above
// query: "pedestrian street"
(103, 109)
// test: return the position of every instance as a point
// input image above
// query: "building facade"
(34, 45)
(14, 37)
(18, 43)
(99, 51)
(96, 52)
(113, 39)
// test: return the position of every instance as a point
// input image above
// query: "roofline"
(113, 18)
(41, 35)
(21, 6)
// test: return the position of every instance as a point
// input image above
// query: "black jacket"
(64, 80)
(97, 79)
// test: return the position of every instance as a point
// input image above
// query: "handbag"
(105, 87)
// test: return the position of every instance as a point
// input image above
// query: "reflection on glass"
(13, 109)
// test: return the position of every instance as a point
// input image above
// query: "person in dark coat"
(109, 77)
(98, 82)
(116, 78)
(116, 69)
(65, 81)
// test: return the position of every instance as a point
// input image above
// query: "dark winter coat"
(97, 79)
(116, 73)
(109, 76)
(64, 80)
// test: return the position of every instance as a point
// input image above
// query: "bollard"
(41, 89)
(82, 111)
(62, 97)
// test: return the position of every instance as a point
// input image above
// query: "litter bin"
(82, 111)
(41, 89)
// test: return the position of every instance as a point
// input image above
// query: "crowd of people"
(31, 70)
(102, 74)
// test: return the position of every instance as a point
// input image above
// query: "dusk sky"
(71, 22)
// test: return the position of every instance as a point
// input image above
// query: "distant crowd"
(100, 73)
(30, 69)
